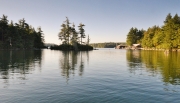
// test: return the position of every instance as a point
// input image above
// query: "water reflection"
(156, 62)
(134, 60)
(73, 62)
(16, 64)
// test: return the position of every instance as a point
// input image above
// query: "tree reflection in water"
(15, 64)
(168, 65)
(71, 61)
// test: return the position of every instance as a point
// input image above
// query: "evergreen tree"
(38, 41)
(134, 36)
(65, 33)
(74, 38)
(62, 34)
(68, 29)
(3, 28)
(168, 18)
(19, 35)
(81, 31)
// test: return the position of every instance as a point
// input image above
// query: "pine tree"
(81, 31)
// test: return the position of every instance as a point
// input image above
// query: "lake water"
(99, 76)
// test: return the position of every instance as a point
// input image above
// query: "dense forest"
(107, 44)
(19, 35)
(71, 38)
(165, 37)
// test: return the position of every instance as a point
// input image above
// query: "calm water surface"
(99, 76)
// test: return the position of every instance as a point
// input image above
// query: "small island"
(72, 39)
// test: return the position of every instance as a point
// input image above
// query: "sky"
(105, 20)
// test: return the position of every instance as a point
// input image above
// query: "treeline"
(107, 44)
(19, 35)
(165, 37)
(71, 38)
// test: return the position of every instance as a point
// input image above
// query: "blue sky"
(105, 20)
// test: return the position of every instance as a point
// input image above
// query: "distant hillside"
(107, 44)
(49, 44)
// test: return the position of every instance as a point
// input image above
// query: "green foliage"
(19, 35)
(168, 18)
(81, 31)
(148, 38)
(74, 33)
(134, 36)
(69, 35)
(165, 37)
